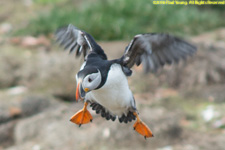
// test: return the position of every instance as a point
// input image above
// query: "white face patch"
(92, 81)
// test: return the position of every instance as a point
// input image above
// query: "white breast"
(115, 95)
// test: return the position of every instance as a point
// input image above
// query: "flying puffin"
(103, 84)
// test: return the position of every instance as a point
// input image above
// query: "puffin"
(103, 83)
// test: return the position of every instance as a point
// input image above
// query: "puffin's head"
(87, 79)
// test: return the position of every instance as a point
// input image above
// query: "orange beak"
(80, 92)
(77, 92)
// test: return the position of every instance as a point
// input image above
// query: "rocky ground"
(183, 104)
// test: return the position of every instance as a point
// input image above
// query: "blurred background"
(184, 104)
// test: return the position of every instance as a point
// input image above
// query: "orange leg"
(142, 128)
(82, 117)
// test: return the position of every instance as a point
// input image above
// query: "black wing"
(78, 41)
(155, 50)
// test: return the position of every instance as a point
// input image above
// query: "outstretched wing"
(78, 41)
(155, 50)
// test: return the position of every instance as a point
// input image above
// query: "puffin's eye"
(89, 79)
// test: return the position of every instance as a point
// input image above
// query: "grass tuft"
(122, 19)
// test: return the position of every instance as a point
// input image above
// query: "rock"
(179, 147)
(9, 107)
(163, 125)
(28, 3)
(29, 41)
(9, 66)
(45, 72)
(51, 129)
(34, 104)
(5, 28)
(208, 114)
(44, 127)
(1, 40)
(164, 93)
(17, 90)
(6, 134)
(15, 112)
(21, 106)
(166, 148)
(215, 38)
(15, 40)
(4, 115)
(16, 109)
(219, 123)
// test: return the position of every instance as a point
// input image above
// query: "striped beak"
(80, 93)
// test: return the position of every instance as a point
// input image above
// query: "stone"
(34, 104)
(7, 134)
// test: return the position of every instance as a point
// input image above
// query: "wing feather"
(78, 41)
(155, 50)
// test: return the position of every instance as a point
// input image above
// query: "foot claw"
(79, 125)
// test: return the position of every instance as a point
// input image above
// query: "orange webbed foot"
(142, 128)
(82, 117)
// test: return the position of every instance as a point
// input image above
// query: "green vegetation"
(46, 1)
(122, 19)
